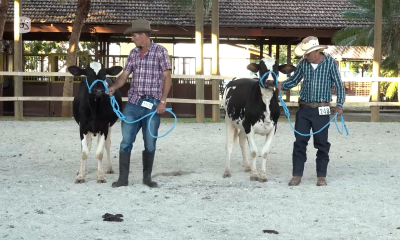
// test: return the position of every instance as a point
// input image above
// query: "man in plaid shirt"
(151, 81)
(319, 73)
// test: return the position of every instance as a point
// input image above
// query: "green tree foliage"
(33, 50)
(364, 36)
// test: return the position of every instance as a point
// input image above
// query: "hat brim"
(131, 30)
(299, 52)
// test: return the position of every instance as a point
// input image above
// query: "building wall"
(233, 60)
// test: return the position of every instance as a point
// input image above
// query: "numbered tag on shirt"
(326, 110)
(147, 105)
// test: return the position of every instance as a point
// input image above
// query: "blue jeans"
(129, 130)
(308, 118)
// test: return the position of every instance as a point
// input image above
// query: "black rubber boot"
(148, 159)
(124, 162)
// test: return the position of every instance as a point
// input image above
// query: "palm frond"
(353, 14)
(346, 35)
(354, 36)
(391, 90)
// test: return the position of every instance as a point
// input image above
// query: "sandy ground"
(39, 199)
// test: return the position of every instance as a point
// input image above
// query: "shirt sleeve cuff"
(283, 87)
(339, 105)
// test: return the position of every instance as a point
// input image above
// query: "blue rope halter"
(121, 116)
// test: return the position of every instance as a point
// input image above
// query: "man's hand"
(339, 111)
(279, 85)
(111, 91)
(161, 108)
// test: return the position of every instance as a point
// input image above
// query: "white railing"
(194, 101)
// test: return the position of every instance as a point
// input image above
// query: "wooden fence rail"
(193, 101)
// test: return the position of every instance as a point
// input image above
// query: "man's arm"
(167, 85)
(340, 92)
(121, 80)
(293, 80)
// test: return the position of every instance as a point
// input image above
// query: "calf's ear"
(113, 70)
(254, 67)
(76, 71)
(287, 68)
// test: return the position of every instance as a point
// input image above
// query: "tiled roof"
(233, 13)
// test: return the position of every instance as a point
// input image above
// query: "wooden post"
(261, 50)
(2, 66)
(96, 50)
(398, 84)
(18, 91)
(277, 53)
(288, 61)
(199, 59)
(270, 50)
(53, 64)
(398, 91)
(108, 53)
(377, 59)
(10, 63)
(215, 59)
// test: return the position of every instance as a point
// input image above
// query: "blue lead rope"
(121, 116)
(288, 114)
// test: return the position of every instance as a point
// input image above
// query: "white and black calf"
(94, 114)
(253, 109)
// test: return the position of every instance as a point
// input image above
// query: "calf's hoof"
(101, 181)
(263, 180)
(227, 175)
(110, 171)
(252, 178)
(79, 180)
(247, 169)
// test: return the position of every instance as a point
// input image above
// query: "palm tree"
(81, 13)
(364, 36)
(3, 12)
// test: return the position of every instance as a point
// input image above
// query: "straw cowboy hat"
(139, 25)
(308, 45)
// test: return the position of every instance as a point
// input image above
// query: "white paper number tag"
(326, 110)
(147, 105)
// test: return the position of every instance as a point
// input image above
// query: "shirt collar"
(323, 60)
(137, 49)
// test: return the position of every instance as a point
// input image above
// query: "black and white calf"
(252, 109)
(94, 114)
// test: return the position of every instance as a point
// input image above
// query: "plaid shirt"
(317, 84)
(147, 72)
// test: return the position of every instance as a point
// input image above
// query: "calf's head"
(269, 64)
(95, 71)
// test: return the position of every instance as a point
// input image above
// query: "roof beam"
(184, 31)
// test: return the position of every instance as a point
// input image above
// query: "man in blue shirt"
(319, 73)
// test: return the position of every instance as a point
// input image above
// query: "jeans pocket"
(155, 103)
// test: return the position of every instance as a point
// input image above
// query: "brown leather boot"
(321, 181)
(295, 181)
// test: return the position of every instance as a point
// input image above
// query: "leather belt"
(314, 104)
(146, 97)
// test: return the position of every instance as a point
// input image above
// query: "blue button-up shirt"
(317, 84)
